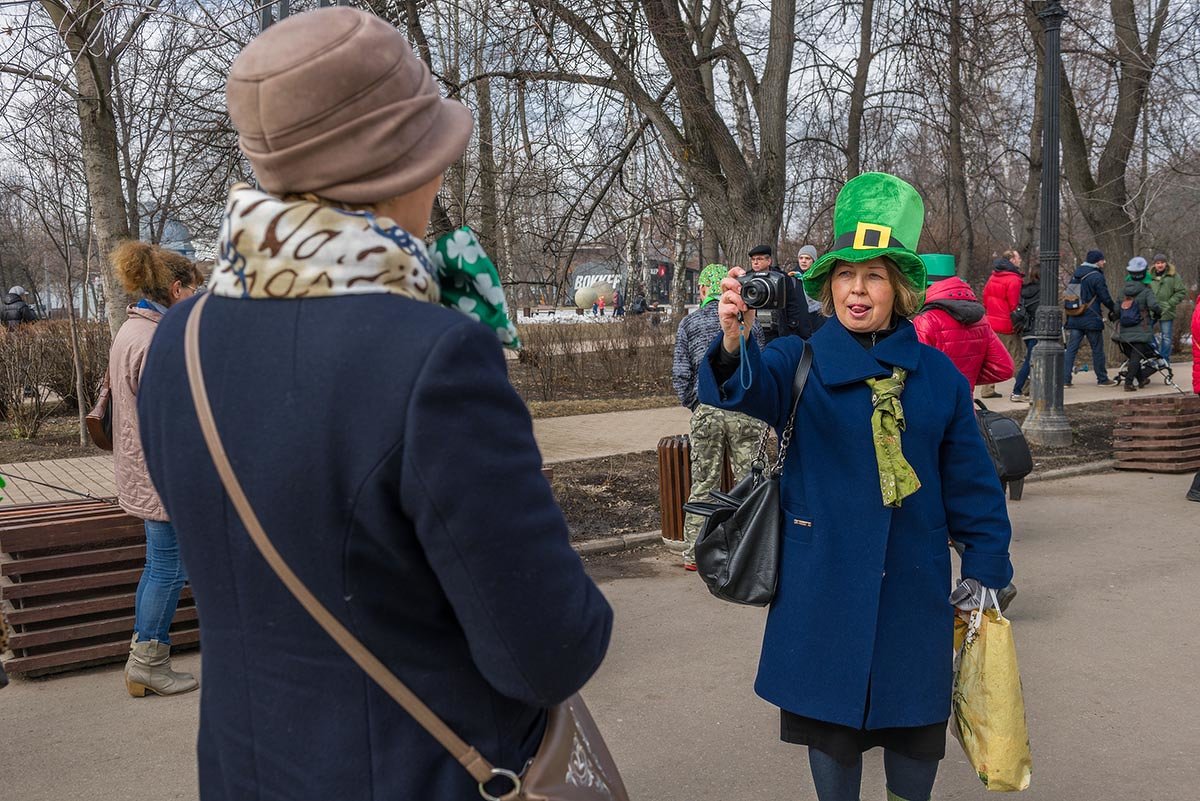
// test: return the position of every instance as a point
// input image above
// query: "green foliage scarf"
(897, 479)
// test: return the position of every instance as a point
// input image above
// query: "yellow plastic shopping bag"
(989, 712)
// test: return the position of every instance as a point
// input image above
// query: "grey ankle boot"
(149, 668)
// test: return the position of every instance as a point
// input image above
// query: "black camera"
(765, 290)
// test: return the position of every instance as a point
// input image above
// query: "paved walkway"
(1101, 623)
(561, 439)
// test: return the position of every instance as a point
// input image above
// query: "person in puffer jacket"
(1196, 349)
(1135, 324)
(1001, 297)
(952, 320)
(1194, 492)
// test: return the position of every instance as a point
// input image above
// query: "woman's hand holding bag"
(989, 710)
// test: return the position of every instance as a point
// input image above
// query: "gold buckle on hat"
(882, 240)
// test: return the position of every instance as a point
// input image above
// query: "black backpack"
(1006, 444)
(1131, 312)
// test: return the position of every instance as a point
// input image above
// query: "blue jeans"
(162, 579)
(910, 779)
(1096, 340)
(1023, 373)
(1166, 329)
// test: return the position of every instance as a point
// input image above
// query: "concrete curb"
(624, 542)
(1086, 469)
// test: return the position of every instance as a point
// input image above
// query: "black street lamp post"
(1046, 425)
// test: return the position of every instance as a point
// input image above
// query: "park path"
(561, 439)
(1101, 623)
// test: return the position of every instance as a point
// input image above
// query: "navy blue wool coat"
(861, 632)
(394, 467)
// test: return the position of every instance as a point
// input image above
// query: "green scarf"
(897, 479)
(470, 283)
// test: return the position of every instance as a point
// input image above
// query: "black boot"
(1194, 492)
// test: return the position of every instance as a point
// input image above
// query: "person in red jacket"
(1194, 492)
(1001, 297)
(1196, 347)
(952, 320)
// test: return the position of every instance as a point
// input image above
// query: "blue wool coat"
(860, 631)
(394, 467)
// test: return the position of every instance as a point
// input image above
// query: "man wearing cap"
(793, 318)
(713, 431)
(1094, 294)
(952, 320)
(16, 311)
(1169, 290)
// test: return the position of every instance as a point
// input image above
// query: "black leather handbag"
(737, 551)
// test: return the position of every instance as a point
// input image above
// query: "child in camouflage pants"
(714, 432)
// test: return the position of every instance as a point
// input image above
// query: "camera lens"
(755, 293)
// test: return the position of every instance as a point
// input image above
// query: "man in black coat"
(792, 319)
(16, 311)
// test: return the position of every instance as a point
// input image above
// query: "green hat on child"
(937, 267)
(711, 277)
(876, 214)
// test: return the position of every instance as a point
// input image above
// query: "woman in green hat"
(886, 464)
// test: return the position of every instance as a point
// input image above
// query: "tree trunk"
(98, 140)
(1031, 196)
(679, 280)
(858, 93)
(958, 159)
(1103, 197)
(488, 216)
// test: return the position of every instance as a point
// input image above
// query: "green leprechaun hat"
(876, 214)
(937, 267)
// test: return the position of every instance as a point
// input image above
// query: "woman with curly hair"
(160, 278)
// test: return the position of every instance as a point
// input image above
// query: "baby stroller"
(1149, 362)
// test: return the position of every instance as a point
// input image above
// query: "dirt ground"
(567, 408)
(58, 439)
(619, 494)
(1092, 424)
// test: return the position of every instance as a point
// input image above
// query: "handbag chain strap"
(798, 382)
(479, 768)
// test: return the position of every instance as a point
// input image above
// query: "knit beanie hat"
(334, 102)
(808, 250)
(1160, 257)
(1094, 257)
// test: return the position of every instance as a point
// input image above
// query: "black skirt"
(846, 745)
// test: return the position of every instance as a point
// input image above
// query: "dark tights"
(910, 779)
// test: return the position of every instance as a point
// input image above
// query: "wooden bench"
(1159, 434)
(68, 576)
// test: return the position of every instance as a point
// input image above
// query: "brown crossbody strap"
(479, 768)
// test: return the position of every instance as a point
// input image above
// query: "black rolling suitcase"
(1010, 452)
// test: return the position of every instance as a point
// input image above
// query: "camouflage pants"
(714, 430)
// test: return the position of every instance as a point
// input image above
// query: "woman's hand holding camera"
(731, 304)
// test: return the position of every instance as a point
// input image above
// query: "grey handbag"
(737, 552)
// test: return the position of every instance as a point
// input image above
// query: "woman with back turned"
(160, 278)
(364, 404)
(886, 464)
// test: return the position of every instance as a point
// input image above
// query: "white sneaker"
(1015, 398)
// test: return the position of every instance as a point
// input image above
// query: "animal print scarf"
(272, 248)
